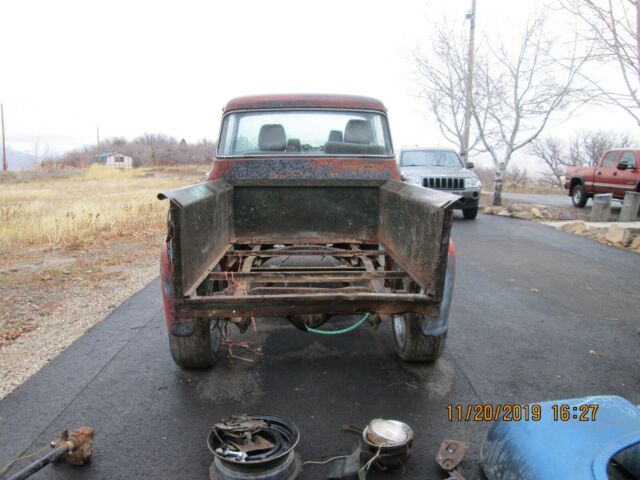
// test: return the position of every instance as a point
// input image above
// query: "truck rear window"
(305, 132)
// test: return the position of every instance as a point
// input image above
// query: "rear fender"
(438, 325)
(175, 325)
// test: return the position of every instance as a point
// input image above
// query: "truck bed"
(232, 248)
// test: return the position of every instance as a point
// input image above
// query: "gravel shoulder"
(49, 298)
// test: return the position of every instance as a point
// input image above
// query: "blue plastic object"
(554, 449)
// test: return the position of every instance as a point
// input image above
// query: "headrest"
(272, 138)
(293, 145)
(335, 136)
(358, 131)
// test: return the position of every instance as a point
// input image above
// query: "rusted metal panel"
(201, 217)
(306, 252)
(263, 102)
(341, 170)
(320, 214)
(277, 305)
(307, 277)
(414, 227)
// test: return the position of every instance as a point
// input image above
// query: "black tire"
(412, 345)
(579, 196)
(202, 348)
(470, 213)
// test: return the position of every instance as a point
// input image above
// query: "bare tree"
(584, 148)
(587, 146)
(551, 150)
(518, 91)
(519, 177)
(441, 76)
(148, 149)
(614, 28)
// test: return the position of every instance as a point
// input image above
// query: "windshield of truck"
(430, 158)
(305, 132)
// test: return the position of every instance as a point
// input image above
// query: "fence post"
(630, 207)
(601, 210)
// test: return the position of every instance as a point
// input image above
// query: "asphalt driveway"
(538, 314)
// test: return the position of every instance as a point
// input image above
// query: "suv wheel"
(579, 196)
(470, 213)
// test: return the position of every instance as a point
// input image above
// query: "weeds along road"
(538, 314)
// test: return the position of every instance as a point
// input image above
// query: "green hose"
(344, 330)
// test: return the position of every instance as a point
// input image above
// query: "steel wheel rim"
(577, 196)
(399, 330)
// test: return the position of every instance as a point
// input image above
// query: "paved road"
(552, 200)
(507, 343)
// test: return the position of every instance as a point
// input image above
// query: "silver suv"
(443, 169)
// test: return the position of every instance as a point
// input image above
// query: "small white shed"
(115, 160)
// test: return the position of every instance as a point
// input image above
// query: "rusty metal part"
(80, 443)
(75, 447)
(450, 456)
(330, 252)
(240, 426)
(275, 305)
(201, 226)
(307, 277)
(221, 223)
(312, 320)
(315, 100)
(254, 447)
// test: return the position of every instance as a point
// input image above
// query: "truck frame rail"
(357, 283)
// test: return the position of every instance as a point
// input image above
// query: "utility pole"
(471, 16)
(5, 165)
(98, 137)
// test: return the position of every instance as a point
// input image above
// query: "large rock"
(523, 215)
(537, 213)
(635, 244)
(618, 235)
(579, 228)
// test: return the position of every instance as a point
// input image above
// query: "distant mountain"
(17, 160)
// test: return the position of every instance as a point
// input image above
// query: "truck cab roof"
(330, 101)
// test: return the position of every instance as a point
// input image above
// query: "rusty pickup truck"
(304, 216)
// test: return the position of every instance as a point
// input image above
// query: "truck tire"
(470, 213)
(411, 344)
(579, 196)
(199, 350)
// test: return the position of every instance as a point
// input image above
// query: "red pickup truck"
(617, 172)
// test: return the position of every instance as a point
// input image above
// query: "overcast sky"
(168, 67)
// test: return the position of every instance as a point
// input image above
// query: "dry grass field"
(94, 205)
(73, 246)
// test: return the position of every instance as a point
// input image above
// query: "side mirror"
(623, 166)
(470, 165)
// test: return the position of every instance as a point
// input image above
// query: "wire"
(324, 462)
(366, 466)
(344, 330)
(7, 467)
